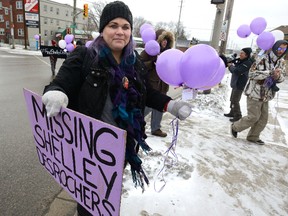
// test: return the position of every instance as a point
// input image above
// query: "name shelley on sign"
(85, 156)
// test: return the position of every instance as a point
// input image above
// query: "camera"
(274, 88)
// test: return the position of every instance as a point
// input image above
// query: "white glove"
(180, 109)
(53, 101)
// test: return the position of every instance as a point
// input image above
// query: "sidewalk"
(20, 50)
(63, 205)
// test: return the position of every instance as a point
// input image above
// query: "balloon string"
(166, 162)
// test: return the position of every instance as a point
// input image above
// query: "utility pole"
(220, 6)
(25, 27)
(227, 19)
(179, 19)
(217, 25)
(74, 18)
(12, 27)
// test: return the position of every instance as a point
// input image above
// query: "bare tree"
(172, 26)
(94, 15)
(94, 18)
(95, 12)
(137, 23)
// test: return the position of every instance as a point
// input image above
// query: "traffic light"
(85, 10)
(68, 31)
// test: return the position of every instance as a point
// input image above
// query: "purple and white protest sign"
(85, 156)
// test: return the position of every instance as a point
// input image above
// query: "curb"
(62, 205)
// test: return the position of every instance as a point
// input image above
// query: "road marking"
(42, 60)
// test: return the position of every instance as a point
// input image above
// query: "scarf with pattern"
(127, 112)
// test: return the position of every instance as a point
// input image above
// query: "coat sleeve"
(70, 77)
(241, 68)
(148, 60)
(155, 99)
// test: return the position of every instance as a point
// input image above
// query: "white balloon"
(62, 44)
(279, 35)
(95, 34)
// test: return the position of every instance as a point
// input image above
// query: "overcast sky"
(198, 15)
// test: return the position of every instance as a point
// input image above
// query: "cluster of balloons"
(199, 67)
(148, 36)
(265, 39)
(67, 43)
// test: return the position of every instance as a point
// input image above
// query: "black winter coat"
(87, 84)
(240, 73)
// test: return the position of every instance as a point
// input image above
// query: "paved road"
(26, 188)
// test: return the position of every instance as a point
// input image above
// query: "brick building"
(6, 20)
(50, 19)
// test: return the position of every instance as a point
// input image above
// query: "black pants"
(235, 103)
(53, 61)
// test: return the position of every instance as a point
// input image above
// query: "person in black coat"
(239, 69)
(166, 41)
(107, 81)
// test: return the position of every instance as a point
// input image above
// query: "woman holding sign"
(107, 81)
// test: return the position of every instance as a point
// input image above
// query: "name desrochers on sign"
(85, 156)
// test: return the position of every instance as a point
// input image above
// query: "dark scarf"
(127, 111)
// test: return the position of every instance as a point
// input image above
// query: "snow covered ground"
(212, 173)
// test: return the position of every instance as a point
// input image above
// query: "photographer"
(265, 72)
(239, 68)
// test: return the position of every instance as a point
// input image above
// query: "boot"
(159, 133)
(229, 115)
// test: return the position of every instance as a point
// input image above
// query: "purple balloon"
(36, 37)
(145, 26)
(87, 44)
(152, 47)
(69, 38)
(168, 67)
(70, 47)
(258, 25)
(148, 34)
(265, 40)
(244, 31)
(218, 76)
(198, 64)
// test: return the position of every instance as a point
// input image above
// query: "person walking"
(265, 72)
(166, 41)
(53, 58)
(107, 82)
(239, 70)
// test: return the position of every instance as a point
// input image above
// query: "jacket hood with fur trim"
(277, 45)
(162, 34)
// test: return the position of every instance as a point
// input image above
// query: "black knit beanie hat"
(114, 10)
(247, 50)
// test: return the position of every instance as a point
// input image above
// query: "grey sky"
(198, 15)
